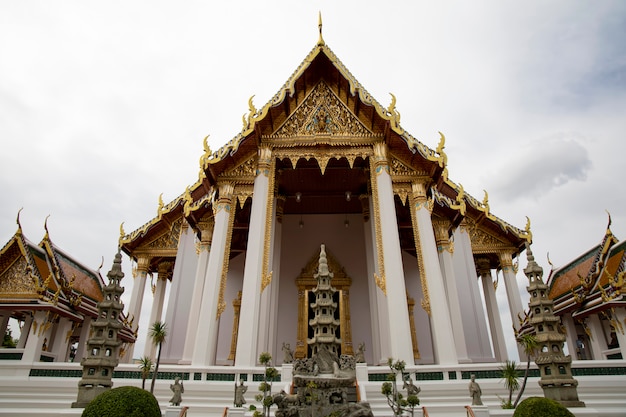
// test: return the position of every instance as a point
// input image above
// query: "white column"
(512, 294)
(253, 274)
(441, 325)
(84, 337)
(269, 297)
(378, 302)
(25, 331)
(207, 325)
(204, 247)
(445, 249)
(598, 341)
(37, 335)
(620, 316)
(570, 335)
(392, 271)
(477, 342)
(495, 325)
(136, 298)
(60, 344)
(156, 313)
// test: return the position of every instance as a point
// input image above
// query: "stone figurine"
(288, 358)
(475, 391)
(178, 389)
(239, 391)
(360, 353)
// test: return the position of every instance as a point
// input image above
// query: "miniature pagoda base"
(566, 396)
(321, 395)
(87, 394)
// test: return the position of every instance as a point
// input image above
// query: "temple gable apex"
(322, 113)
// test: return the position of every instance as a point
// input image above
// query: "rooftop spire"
(320, 41)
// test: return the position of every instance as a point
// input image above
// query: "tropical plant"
(530, 345)
(511, 381)
(8, 341)
(124, 401)
(389, 389)
(539, 406)
(265, 397)
(157, 333)
(145, 367)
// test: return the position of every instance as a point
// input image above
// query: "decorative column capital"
(380, 157)
(265, 160)
(205, 228)
(419, 187)
(226, 190)
(441, 228)
(506, 259)
(143, 264)
(165, 270)
(483, 267)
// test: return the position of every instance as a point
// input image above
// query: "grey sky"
(104, 105)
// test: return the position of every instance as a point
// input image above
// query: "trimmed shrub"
(541, 407)
(123, 402)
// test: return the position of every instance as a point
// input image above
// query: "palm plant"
(530, 345)
(157, 333)
(145, 366)
(511, 381)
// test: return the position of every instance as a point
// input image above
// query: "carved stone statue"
(360, 353)
(178, 389)
(239, 391)
(475, 391)
(288, 358)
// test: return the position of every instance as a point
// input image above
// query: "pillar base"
(236, 412)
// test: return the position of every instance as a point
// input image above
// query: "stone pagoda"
(556, 380)
(103, 345)
(324, 324)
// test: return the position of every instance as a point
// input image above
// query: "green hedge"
(123, 402)
(541, 407)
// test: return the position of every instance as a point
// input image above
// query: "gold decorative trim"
(233, 340)
(225, 203)
(379, 278)
(269, 216)
(411, 306)
(418, 197)
(322, 156)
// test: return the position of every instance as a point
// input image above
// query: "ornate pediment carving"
(322, 113)
(246, 171)
(18, 279)
(168, 240)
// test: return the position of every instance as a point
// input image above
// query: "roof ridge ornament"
(19, 225)
(320, 41)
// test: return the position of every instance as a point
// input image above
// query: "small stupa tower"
(324, 325)
(556, 380)
(103, 345)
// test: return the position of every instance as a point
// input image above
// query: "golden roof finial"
(45, 226)
(320, 41)
(19, 225)
(161, 205)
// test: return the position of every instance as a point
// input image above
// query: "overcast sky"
(104, 105)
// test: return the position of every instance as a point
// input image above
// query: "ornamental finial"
(320, 41)
(19, 225)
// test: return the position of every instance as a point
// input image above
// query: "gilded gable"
(322, 113)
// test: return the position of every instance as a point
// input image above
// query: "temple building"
(588, 295)
(323, 162)
(53, 298)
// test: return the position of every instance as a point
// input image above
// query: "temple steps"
(23, 396)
